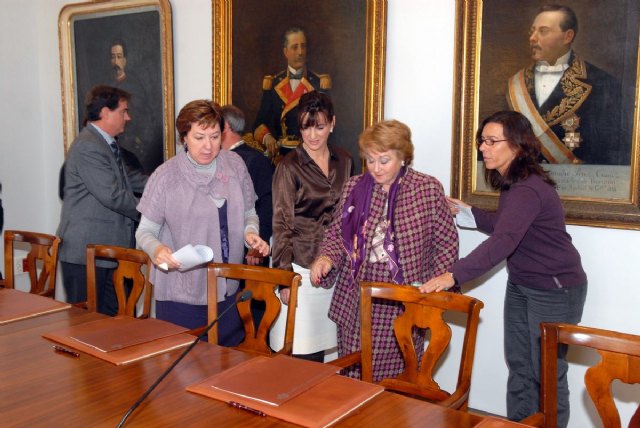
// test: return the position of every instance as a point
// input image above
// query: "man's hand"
(270, 144)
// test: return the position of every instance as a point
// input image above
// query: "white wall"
(420, 44)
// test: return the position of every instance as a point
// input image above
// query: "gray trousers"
(524, 309)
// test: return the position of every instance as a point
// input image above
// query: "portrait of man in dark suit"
(124, 51)
(573, 105)
(143, 136)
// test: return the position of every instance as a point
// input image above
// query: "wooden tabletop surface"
(40, 387)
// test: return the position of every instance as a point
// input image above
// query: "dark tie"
(293, 76)
(115, 150)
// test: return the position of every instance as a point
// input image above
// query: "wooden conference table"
(39, 387)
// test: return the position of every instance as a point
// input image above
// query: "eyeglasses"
(488, 141)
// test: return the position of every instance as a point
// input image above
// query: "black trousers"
(74, 280)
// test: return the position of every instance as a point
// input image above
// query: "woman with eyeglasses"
(546, 281)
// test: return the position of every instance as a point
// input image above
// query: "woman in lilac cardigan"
(201, 196)
(546, 280)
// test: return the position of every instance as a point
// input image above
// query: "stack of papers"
(191, 256)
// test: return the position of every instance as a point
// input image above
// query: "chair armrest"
(197, 331)
(347, 360)
(458, 400)
(48, 293)
(535, 420)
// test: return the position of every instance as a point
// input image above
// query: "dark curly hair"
(520, 137)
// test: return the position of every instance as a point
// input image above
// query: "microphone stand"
(243, 298)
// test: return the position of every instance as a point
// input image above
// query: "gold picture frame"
(491, 45)
(346, 39)
(143, 29)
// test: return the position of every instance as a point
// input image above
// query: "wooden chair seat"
(41, 260)
(620, 359)
(134, 267)
(262, 282)
(423, 311)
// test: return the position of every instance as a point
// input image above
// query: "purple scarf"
(354, 224)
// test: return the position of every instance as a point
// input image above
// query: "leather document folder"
(122, 339)
(324, 402)
(18, 305)
(491, 422)
(272, 380)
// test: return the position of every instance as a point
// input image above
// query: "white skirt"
(314, 331)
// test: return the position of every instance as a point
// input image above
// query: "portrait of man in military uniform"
(281, 49)
(276, 125)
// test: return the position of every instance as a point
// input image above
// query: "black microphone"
(243, 298)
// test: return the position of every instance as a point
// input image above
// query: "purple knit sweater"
(528, 230)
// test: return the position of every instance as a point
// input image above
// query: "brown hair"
(205, 113)
(311, 107)
(103, 96)
(569, 21)
(387, 135)
(520, 137)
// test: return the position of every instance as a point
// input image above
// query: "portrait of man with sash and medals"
(573, 105)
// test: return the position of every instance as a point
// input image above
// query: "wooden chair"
(424, 311)
(42, 260)
(635, 419)
(262, 282)
(620, 359)
(134, 265)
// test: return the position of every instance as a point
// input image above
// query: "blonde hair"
(387, 135)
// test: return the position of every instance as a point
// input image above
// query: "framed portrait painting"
(581, 101)
(345, 54)
(126, 44)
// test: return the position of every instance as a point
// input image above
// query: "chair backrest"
(620, 359)
(134, 267)
(41, 260)
(423, 311)
(262, 282)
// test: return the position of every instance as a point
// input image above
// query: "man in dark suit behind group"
(260, 170)
(99, 205)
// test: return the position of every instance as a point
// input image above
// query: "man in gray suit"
(99, 205)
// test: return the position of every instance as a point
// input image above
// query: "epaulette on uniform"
(267, 82)
(325, 81)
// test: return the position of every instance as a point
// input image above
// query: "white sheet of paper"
(190, 256)
(465, 217)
